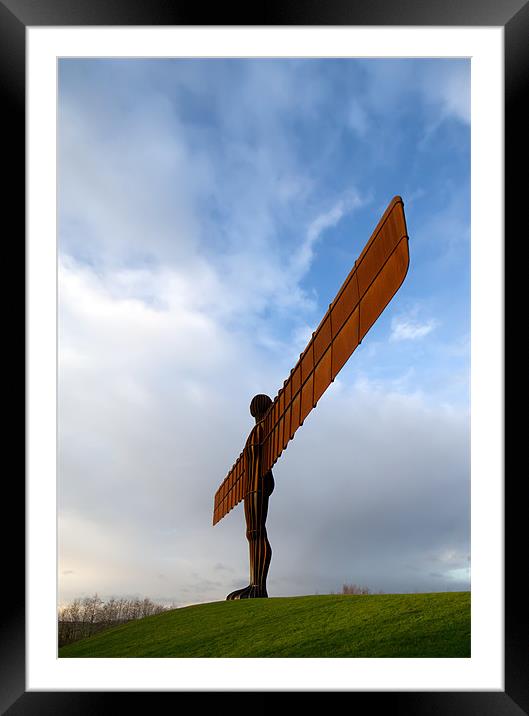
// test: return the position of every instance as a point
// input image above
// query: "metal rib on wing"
(373, 281)
(231, 491)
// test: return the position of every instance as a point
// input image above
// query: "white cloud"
(443, 86)
(304, 254)
(152, 197)
(447, 85)
(129, 194)
(407, 329)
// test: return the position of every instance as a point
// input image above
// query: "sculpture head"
(259, 406)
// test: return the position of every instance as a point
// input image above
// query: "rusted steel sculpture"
(373, 281)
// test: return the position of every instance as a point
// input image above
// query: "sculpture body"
(373, 281)
(259, 489)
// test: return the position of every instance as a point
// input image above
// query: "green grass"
(385, 625)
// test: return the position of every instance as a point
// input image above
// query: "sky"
(209, 211)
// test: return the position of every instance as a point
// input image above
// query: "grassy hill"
(385, 625)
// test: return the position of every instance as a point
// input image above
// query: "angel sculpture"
(376, 276)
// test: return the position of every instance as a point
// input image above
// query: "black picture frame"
(513, 16)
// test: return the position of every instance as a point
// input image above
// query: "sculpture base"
(252, 591)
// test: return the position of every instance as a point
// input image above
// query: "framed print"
(48, 54)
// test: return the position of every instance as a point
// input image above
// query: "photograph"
(209, 210)
(264, 355)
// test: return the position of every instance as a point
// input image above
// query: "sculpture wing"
(232, 490)
(373, 281)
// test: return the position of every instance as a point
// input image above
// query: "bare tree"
(355, 589)
(85, 617)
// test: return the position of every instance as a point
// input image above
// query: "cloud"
(407, 329)
(129, 194)
(153, 201)
(440, 90)
(304, 254)
(447, 86)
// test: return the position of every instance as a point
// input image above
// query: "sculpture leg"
(260, 550)
(256, 510)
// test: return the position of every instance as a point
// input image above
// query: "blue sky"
(209, 210)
